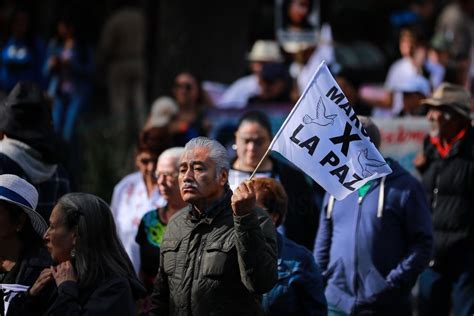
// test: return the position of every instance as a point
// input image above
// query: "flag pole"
(286, 120)
(261, 160)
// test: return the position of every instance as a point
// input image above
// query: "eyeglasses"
(166, 175)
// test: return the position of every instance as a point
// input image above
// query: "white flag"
(324, 138)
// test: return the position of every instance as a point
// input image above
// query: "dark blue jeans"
(66, 110)
(439, 292)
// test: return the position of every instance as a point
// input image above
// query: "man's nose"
(160, 179)
(431, 115)
(251, 145)
(46, 235)
(189, 175)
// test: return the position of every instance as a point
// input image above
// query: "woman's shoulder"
(119, 284)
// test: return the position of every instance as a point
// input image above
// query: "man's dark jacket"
(449, 183)
(215, 264)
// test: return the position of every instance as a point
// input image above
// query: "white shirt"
(239, 92)
(399, 72)
(236, 177)
(129, 203)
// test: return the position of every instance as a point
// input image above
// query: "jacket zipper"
(435, 192)
(356, 263)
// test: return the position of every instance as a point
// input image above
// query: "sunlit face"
(199, 182)
(407, 45)
(186, 90)
(167, 177)
(146, 163)
(252, 140)
(59, 239)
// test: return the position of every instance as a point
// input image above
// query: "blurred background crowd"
(126, 82)
(105, 65)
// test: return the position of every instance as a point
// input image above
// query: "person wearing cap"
(388, 101)
(27, 144)
(447, 169)
(275, 85)
(373, 244)
(163, 111)
(414, 90)
(239, 92)
(22, 253)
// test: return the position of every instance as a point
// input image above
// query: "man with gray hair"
(219, 254)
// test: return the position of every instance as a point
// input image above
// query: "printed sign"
(324, 138)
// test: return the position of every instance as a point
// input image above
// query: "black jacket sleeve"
(113, 297)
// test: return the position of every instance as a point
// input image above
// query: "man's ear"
(223, 177)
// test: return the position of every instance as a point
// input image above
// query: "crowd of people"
(189, 233)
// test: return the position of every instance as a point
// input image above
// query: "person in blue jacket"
(23, 53)
(69, 69)
(373, 244)
(299, 289)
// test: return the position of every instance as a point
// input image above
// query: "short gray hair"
(174, 153)
(217, 152)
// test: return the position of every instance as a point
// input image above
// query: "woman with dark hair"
(137, 193)
(22, 56)
(22, 254)
(69, 68)
(93, 275)
(252, 138)
(192, 101)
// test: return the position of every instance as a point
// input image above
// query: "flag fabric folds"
(324, 138)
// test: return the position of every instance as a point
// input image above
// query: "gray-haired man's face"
(199, 182)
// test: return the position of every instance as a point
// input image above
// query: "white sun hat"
(15, 190)
(265, 51)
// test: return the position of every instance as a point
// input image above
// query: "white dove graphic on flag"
(321, 118)
(324, 138)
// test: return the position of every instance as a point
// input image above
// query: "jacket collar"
(211, 212)
(452, 148)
